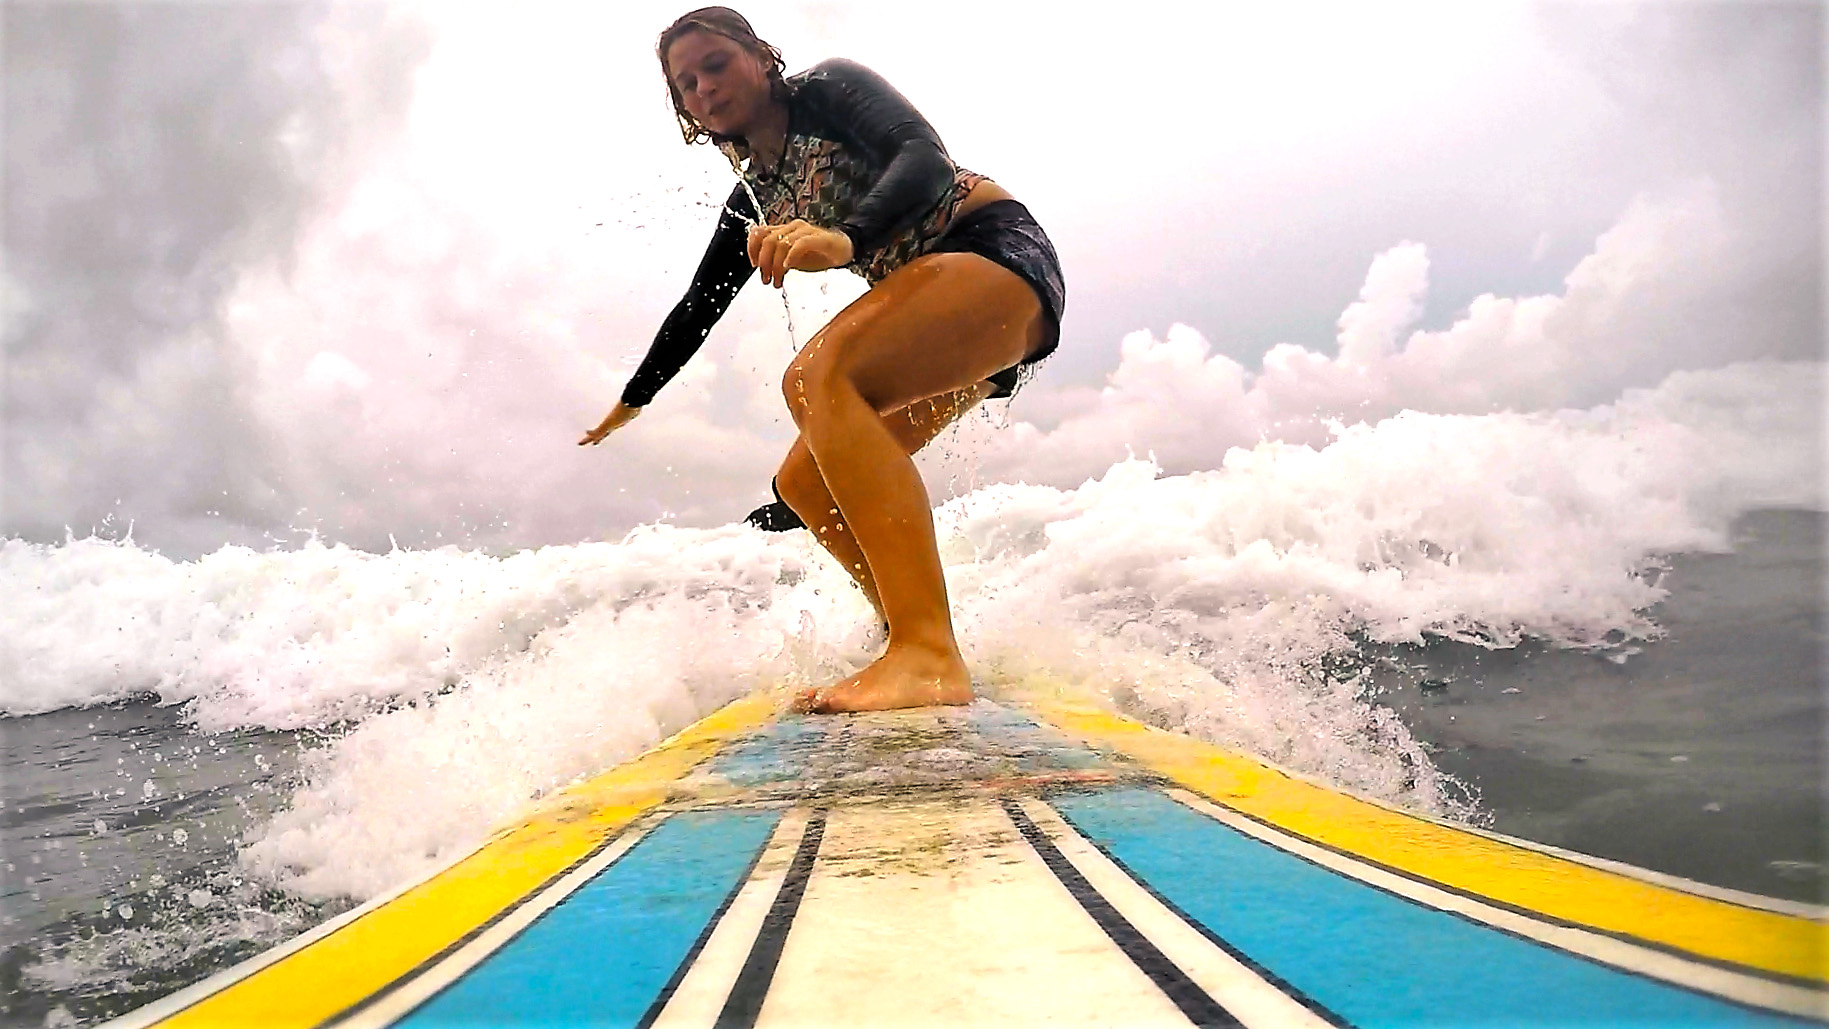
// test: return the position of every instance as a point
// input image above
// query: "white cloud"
(1631, 312)
(469, 297)
(476, 370)
(1391, 301)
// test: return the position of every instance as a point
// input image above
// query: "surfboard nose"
(1042, 862)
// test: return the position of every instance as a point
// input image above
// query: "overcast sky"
(374, 268)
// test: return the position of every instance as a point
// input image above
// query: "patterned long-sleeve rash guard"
(859, 159)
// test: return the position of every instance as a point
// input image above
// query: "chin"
(734, 122)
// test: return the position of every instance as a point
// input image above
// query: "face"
(721, 84)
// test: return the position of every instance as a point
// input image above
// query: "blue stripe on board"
(1035, 746)
(1377, 960)
(776, 753)
(602, 955)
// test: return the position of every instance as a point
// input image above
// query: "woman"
(965, 291)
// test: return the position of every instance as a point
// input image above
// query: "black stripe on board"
(1194, 1002)
(692, 954)
(751, 988)
(1281, 985)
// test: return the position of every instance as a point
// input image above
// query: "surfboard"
(1034, 860)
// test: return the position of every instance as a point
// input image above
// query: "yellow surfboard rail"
(1477, 864)
(353, 963)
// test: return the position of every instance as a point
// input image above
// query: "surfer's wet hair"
(721, 21)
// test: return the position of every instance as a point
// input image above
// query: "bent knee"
(820, 370)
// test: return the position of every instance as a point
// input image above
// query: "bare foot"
(902, 677)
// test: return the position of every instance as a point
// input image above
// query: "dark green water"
(1702, 756)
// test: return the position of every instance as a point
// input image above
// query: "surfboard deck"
(1038, 860)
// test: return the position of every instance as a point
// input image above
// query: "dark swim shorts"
(1004, 231)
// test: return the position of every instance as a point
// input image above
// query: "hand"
(775, 249)
(621, 415)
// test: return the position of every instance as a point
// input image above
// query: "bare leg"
(804, 489)
(939, 324)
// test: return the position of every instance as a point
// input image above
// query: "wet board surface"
(1034, 862)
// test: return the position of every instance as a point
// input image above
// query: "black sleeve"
(916, 171)
(723, 270)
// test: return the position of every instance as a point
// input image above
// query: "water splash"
(1235, 603)
(736, 165)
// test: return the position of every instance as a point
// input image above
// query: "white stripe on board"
(934, 911)
(1248, 996)
(700, 996)
(1656, 964)
(395, 1005)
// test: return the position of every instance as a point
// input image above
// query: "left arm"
(867, 111)
(916, 170)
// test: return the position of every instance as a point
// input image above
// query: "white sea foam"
(112, 960)
(1228, 602)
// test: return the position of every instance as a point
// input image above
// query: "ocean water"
(1601, 629)
(1700, 754)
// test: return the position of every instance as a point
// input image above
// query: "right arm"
(721, 273)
